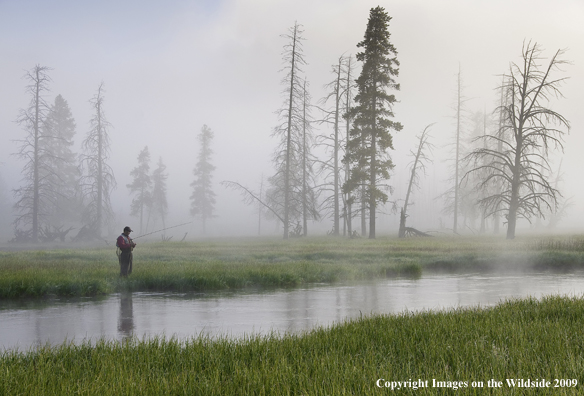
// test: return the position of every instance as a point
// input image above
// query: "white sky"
(170, 67)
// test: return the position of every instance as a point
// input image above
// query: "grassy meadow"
(520, 339)
(271, 263)
(523, 339)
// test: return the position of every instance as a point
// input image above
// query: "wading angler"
(125, 247)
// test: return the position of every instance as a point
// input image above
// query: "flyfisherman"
(125, 247)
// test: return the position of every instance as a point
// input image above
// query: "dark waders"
(125, 262)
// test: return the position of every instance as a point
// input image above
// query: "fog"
(170, 67)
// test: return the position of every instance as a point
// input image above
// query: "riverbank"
(519, 340)
(273, 263)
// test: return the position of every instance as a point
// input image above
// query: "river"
(26, 324)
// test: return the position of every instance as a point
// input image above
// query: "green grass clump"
(525, 339)
(269, 263)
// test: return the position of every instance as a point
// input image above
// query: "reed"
(520, 339)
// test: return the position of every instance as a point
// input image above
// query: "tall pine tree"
(64, 175)
(370, 137)
(159, 202)
(141, 186)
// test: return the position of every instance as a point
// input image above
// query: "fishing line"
(164, 229)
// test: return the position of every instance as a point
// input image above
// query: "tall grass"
(236, 264)
(526, 339)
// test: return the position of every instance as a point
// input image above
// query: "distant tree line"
(501, 168)
(61, 190)
(149, 190)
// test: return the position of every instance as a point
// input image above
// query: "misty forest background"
(336, 167)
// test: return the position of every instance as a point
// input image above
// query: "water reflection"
(126, 318)
(120, 316)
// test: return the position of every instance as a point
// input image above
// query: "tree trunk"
(402, 225)
(36, 176)
(514, 200)
(512, 219)
(289, 140)
(455, 226)
(404, 210)
(304, 164)
(100, 175)
(260, 206)
(497, 216)
(373, 167)
(336, 172)
(348, 210)
(363, 213)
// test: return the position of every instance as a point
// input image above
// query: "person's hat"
(126, 228)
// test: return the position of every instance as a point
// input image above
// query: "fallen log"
(411, 231)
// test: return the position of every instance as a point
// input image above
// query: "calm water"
(26, 324)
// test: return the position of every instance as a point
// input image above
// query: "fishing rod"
(164, 229)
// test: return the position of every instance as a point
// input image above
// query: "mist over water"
(124, 315)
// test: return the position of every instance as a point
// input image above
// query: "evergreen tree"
(64, 176)
(159, 203)
(140, 187)
(370, 137)
(203, 197)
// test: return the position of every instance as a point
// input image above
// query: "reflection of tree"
(126, 318)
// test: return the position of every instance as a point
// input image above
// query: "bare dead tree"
(308, 192)
(499, 144)
(452, 196)
(457, 154)
(287, 157)
(335, 106)
(468, 196)
(532, 129)
(251, 197)
(33, 197)
(97, 179)
(331, 166)
(563, 203)
(418, 165)
(349, 93)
